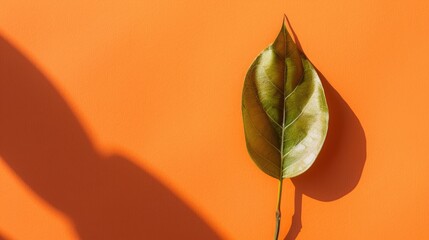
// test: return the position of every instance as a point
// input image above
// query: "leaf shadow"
(340, 164)
(105, 197)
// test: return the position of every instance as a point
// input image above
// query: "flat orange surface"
(122, 120)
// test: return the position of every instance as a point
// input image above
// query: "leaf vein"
(292, 148)
(296, 87)
(258, 131)
(272, 83)
(266, 160)
(260, 104)
(300, 114)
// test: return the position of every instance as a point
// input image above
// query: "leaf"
(285, 114)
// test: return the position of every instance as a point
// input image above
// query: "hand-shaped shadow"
(105, 197)
(339, 166)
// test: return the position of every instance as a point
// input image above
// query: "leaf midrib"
(284, 109)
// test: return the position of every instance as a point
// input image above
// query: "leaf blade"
(293, 122)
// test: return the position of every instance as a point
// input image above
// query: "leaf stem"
(278, 212)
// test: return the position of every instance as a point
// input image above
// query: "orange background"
(122, 120)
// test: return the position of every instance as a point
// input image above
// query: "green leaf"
(285, 114)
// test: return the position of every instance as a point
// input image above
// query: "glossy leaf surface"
(285, 114)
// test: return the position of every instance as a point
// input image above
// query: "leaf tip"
(284, 21)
